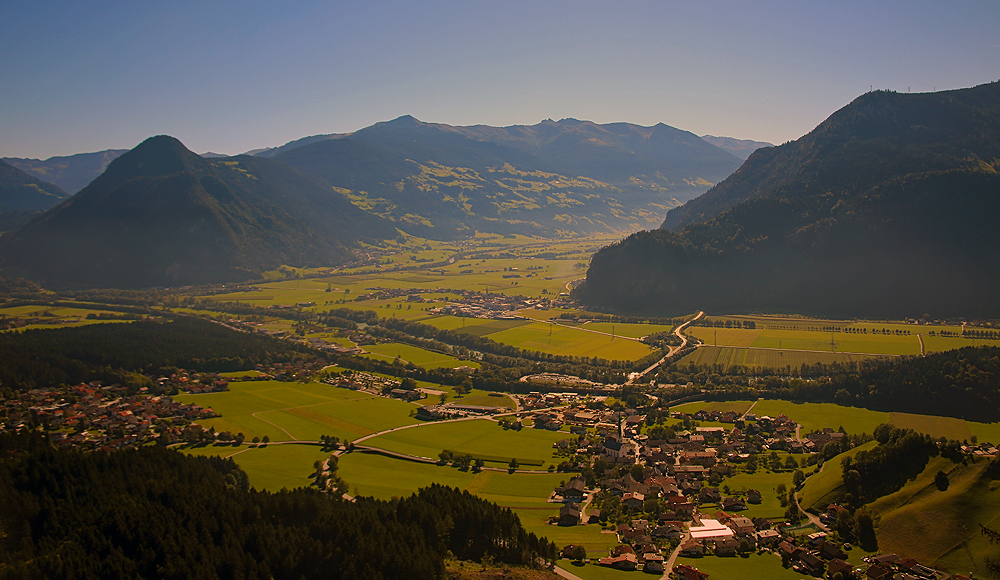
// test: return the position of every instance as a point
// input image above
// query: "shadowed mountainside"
(887, 208)
(162, 215)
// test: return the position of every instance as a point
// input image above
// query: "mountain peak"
(159, 155)
(403, 121)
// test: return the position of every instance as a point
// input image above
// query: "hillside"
(20, 191)
(161, 215)
(71, 172)
(441, 181)
(887, 208)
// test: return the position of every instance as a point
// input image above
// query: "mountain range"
(888, 208)
(162, 215)
(71, 173)
(442, 181)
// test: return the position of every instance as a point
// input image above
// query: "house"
(667, 532)
(726, 547)
(789, 550)
(685, 572)
(572, 491)
(692, 549)
(811, 563)
(879, 572)
(838, 565)
(767, 537)
(742, 526)
(709, 495)
(652, 563)
(569, 514)
(830, 551)
(633, 500)
(733, 504)
(623, 562)
(621, 549)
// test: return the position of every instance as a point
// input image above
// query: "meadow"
(295, 411)
(418, 356)
(478, 437)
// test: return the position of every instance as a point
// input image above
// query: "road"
(812, 519)
(679, 333)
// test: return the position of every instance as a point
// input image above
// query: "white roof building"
(710, 530)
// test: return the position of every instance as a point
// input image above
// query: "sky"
(227, 77)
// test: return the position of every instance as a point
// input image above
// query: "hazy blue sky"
(232, 76)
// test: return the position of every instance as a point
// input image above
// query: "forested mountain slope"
(888, 208)
(161, 215)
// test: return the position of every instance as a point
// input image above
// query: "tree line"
(155, 513)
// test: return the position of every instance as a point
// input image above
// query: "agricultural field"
(814, 416)
(271, 467)
(57, 316)
(561, 340)
(418, 356)
(295, 411)
(769, 358)
(755, 567)
(478, 437)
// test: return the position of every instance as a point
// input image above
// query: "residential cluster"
(99, 417)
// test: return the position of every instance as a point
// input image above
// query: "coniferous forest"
(155, 513)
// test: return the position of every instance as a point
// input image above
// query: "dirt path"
(921, 339)
(751, 409)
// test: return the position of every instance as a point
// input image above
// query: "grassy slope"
(941, 527)
(826, 487)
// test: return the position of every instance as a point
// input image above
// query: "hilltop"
(162, 215)
(887, 208)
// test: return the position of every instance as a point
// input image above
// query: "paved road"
(678, 332)
(812, 519)
(668, 564)
(566, 574)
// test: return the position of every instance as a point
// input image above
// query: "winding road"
(679, 333)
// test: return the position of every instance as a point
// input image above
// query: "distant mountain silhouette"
(443, 181)
(72, 172)
(741, 148)
(888, 208)
(162, 215)
(20, 191)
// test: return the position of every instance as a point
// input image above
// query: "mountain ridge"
(162, 215)
(885, 209)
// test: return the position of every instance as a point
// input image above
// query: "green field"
(766, 483)
(631, 330)
(814, 416)
(756, 566)
(418, 356)
(289, 411)
(561, 340)
(480, 437)
(272, 467)
(375, 475)
(764, 357)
